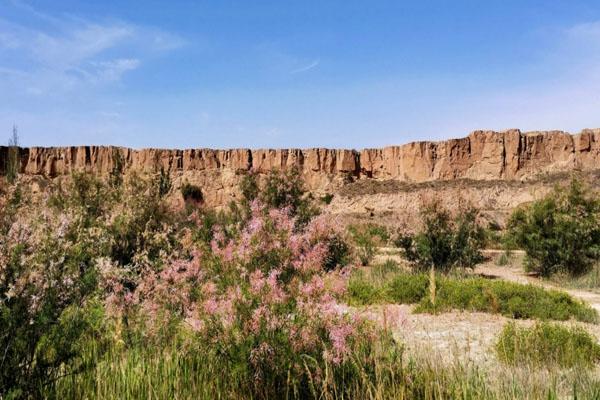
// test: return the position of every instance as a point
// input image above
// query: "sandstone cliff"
(482, 155)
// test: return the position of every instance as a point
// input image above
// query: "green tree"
(446, 241)
(560, 232)
(13, 157)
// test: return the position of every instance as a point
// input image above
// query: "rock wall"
(483, 155)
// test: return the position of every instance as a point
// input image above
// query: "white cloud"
(66, 53)
(307, 67)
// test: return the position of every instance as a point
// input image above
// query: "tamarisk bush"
(259, 302)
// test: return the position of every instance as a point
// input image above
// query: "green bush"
(408, 288)
(560, 232)
(547, 344)
(164, 183)
(327, 198)
(446, 241)
(366, 238)
(286, 189)
(503, 259)
(191, 193)
(338, 253)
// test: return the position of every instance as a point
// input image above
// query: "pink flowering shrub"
(259, 302)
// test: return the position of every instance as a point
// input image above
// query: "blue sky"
(290, 73)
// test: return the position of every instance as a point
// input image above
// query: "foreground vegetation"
(113, 292)
(547, 344)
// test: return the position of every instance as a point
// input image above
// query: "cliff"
(483, 155)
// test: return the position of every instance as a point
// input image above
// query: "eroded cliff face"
(483, 155)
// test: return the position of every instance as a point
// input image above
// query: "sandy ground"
(469, 337)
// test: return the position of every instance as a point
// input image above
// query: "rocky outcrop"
(483, 155)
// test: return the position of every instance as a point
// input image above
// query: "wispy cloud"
(67, 52)
(307, 67)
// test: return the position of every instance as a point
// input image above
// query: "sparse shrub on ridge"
(191, 193)
(560, 232)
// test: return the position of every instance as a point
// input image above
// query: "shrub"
(503, 259)
(560, 231)
(48, 283)
(327, 198)
(547, 344)
(408, 289)
(366, 239)
(164, 183)
(116, 174)
(446, 241)
(285, 189)
(191, 193)
(13, 162)
(256, 303)
(338, 252)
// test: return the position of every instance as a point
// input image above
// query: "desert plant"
(116, 174)
(48, 283)
(473, 294)
(560, 232)
(546, 344)
(164, 182)
(366, 239)
(327, 198)
(446, 241)
(191, 193)
(338, 252)
(13, 158)
(257, 302)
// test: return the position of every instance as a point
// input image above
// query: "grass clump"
(547, 344)
(513, 300)
(510, 299)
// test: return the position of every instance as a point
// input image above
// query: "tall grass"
(181, 373)
(547, 344)
(588, 281)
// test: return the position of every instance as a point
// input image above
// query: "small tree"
(12, 161)
(366, 239)
(446, 241)
(116, 174)
(281, 189)
(560, 232)
(164, 183)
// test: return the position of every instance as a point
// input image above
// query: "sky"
(328, 73)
